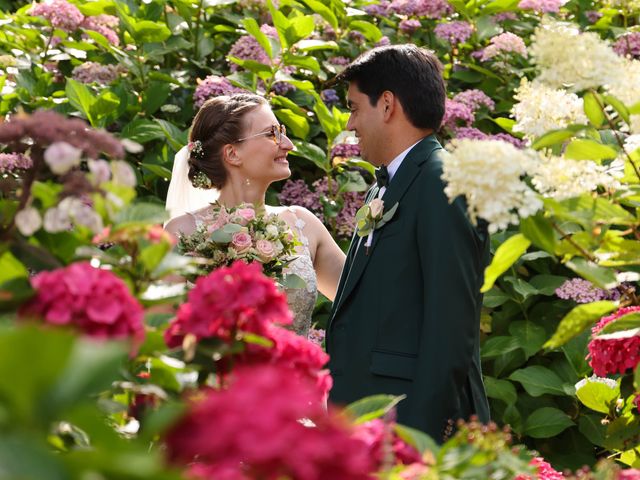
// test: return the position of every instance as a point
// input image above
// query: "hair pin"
(195, 149)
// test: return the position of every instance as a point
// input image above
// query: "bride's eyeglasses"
(278, 132)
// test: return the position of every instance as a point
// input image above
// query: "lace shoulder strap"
(299, 227)
(203, 216)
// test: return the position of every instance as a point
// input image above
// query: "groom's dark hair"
(412, 74)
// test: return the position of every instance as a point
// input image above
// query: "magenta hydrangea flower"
(213, 86)
(92, 72)
(504, 43)
(454, 32)
(542, 6)
(12, 162)
(409, 25)
(104, 25)
(457, 114)
(60, 13)
(613, 355)
(475, 99)
(628, 44)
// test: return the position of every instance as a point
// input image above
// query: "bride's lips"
(282, 160)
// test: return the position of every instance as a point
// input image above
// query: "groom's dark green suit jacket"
(406, 315)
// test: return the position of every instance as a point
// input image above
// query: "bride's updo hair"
(219, 121)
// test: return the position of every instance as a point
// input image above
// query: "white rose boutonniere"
(372, 216)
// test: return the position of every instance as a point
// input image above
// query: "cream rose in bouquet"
(242, 233)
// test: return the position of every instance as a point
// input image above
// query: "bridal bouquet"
(242, 233)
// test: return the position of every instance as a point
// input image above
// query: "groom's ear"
(230, 154)
(388, 100)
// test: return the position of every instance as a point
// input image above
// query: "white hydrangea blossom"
(626, 86)
(635, 124)
(28, 221)
(70, 211)
(561, 178)
(541, 108)
(632, 143)
(628, 5)
(489, 174)
(567, 57)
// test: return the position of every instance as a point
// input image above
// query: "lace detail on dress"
(302, 300)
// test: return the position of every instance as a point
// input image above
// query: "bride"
(237, 149)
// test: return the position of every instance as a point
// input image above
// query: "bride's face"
(263, 148)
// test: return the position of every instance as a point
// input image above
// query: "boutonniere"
(372, 216)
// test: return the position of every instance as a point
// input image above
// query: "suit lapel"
(403, 178)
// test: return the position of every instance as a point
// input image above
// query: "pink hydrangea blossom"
(454, 32)
(227, 301)
(213, 86)
(542, 6)
(93, 72)
(104, 25)
(475, 134)
(378, 434)
(316, 335)
(505, 16)
(379, 8)
(504, 43)
(345, 150)
(593, 15)
(544, 471)
(248, 48)
(91, 300)
(341, 61)
(409, 25)
(60, 13)
(421, 8)
(475, 99)
(457, 114)
(628, 45)
(244, 445)
(12, 162)
(614, 355)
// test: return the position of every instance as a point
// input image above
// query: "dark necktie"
(382, 176)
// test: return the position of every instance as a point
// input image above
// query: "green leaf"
(496, 346)
(313, 153)
(81, 98)
(546, 422)
(530, 336)
(618, 106)
(176, 137)
(621, 432)
(420, 440)
(142, 131)
(302, 61)
(371, 407)
(260, 69)
(505, 123)
(281, 23)
(630, 321)
(585, 149)
(225, 234)
(141, 213)
(538, 229)
(600, 276)
(252, 27)
(506, 255)
(154, 96)
(555, 137)
(593, 110)
(297, 124)
(494, 298)
(598, 395)
(547, 284)
(324, 11)
(371, 32)
(146, 31)
(577, 320)
(153, 254)
(636, 378)
(501, 390)
(105, 105)
(11, 268)
(538, 380)
(313, 45)
(159, 170)
(591, 427)
(299, 28)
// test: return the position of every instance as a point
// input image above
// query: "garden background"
(543, 124)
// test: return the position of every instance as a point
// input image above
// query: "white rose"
(272, 230)
(61, 157)
(377, 207)
(28, 221)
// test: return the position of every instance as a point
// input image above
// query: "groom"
(407, 311)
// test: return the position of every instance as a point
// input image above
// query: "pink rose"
(266, 250)
(241, 241)
(221, 221)
(244, 215)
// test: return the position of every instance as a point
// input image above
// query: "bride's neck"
(233, 194)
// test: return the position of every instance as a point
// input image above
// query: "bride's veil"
(182, 196)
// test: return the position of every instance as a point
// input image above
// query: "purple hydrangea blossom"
(409, 25)
(542, 6)
(457, 113)
(213, 86)
(421, 8)
(474, 98)
(12, 162)
(248, 48)
(104, 25)
(454, 32)
(628, 44)
(60, 13)
(583, 291)
(297, 192)
(282, 88)
(593, 15)
(475, 134)
(357, 37)
(379, 9)
(384, 40)
(316, 336)
(505, 16)
(93, 72)
(345, 150)
(341, 61)
(330, 97)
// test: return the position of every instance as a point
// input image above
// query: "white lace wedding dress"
(301, 300)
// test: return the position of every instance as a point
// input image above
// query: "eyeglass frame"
(279, 128)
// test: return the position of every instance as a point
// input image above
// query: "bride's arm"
(328, 259)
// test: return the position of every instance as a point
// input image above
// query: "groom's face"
(367, 123)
